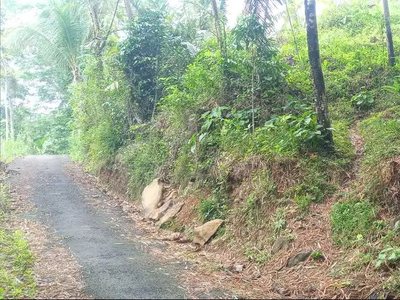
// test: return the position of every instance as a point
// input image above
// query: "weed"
(317, 255)
(381, 139)
(363, 260)
(379, 224)
(173, 225)
(279, 221)
(4, 202)
(303, 202)
(393, 283)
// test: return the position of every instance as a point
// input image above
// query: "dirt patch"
(115, 176)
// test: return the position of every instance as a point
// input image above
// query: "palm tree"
(388, 33)
(58, 35)
(321, 105)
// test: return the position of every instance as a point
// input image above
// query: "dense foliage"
(229, 116)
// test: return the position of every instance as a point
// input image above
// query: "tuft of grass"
(279, 221)
(351, 219)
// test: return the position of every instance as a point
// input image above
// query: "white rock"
(151, 197)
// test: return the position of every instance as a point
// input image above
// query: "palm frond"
(58, 34)
(263, 9)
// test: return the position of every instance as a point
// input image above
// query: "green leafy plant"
(395, 88)
(388, 256)
(279, 221)
(364, 100)
(317, 255)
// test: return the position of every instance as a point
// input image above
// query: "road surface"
(112, 266)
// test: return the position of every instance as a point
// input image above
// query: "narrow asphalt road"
(113, 267)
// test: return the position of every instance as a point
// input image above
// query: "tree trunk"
(128, 9)
(6, 108)
(321, 105)
(11, 116)
(389, 38)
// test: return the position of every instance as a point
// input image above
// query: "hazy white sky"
(234, 8)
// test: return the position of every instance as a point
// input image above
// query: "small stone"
(238, 268)
(226, 265)
(279, 244)
(295, 260)
(204, 232)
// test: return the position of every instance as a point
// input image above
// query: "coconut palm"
(57, 35)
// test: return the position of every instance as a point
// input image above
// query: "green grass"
(351, 220)
(16, 277)
(381, 137)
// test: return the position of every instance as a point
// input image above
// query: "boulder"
(170, 213)
(159, 212)
(151, 197)
(204, 232)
